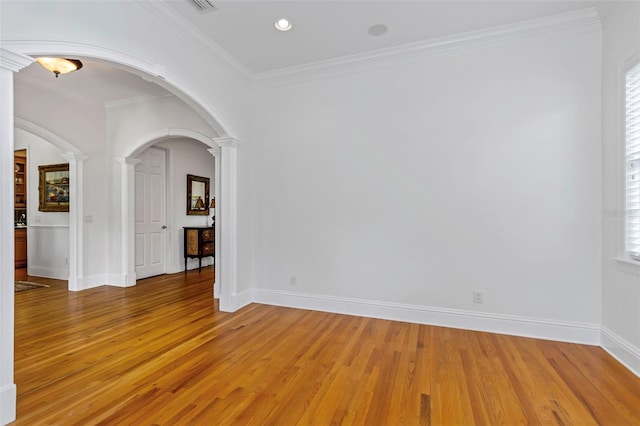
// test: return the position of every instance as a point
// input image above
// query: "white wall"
(131, 123)
(79, 121)
(418, 182)
(621, 276)
(134, 124)
(81, 124)
(48, 232)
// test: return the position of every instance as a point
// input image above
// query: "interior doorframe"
(224, 151)
(75, 158)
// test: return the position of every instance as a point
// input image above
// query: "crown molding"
(182, 26)
(585, 19)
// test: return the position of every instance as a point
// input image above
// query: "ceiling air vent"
(202, 5)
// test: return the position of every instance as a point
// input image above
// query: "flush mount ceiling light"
(60, 65)
(283, 24)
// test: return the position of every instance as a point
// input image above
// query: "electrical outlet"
(293, 280)
(477, 297)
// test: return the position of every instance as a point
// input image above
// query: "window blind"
(632, 152)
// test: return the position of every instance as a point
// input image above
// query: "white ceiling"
(322, 30)
(329, 29)
(96, 82)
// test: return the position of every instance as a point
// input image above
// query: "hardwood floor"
(160, 353)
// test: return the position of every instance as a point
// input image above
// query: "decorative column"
(127, 219)
(226, 222)
(216, 152)
(10, 63)
(76, 225)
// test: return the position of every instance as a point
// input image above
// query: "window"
(632, 166)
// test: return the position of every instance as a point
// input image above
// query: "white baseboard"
(619, 348)
(93, 281)
(7, 403)
(119, 280)
(242, 299)
(39, 271)
(564, 331)
(237, 301)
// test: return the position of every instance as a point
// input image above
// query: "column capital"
(13, 61)
(129, 161)
(74, 156)
(227, 142)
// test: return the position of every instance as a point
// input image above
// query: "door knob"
(164, 226)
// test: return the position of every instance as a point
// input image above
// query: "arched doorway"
(224, 150)
(75, 158)
(127, 189)
(14, 57)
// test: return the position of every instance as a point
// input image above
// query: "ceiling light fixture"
(283, 24)
(60, 65)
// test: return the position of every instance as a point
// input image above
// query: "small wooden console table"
(198, 242)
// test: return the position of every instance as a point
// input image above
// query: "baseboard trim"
(564, 331)
(241, 300)
(622, 350)
(119, 280)
(58, 274)
(92, 281)
(8, 394)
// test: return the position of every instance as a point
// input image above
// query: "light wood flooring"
(160, 353)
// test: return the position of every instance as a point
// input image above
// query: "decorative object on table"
(27, 285)
(197, 195)
(54, 188)
(199, 204)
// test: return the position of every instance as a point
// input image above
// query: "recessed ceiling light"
(283, 24)
(378, 29)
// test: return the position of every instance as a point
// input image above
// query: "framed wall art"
(54, 188)
(197, 195)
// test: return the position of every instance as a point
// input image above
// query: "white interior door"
(150, 213)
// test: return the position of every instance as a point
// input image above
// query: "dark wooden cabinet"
(198, 242)
(20, 208)
(20, 180)
(21, 247)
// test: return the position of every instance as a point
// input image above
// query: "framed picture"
(197, 195)
(54, 188)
